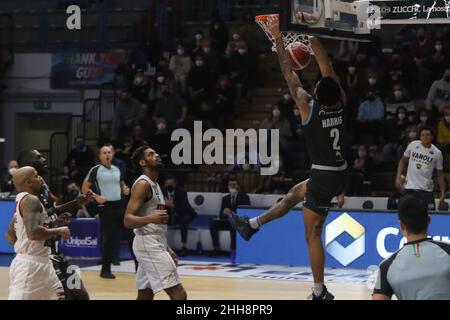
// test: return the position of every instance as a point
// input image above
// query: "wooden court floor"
(208, 288)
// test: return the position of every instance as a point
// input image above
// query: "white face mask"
(138, 81)
(232, 191)
(351, 69)
(398, 94)
(199, 63)
(207, 50)
(412, 135)
(372, 81)
(12, 171)
(296, 112)
(161, 126)
(438, 47)
(160, 79)
(447, 119)
(236, 36)
(198, 36)
(276, 113)
(423, 119)
(245, 167)
(411, 118)
(180, 52)
(242, 51)
(401, 116)
(286, 96)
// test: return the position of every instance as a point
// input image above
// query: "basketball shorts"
(322, 187)
(156, 269)
(34, 278)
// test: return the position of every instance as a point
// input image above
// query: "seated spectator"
(180, 65)
(439, 59)
(160, 139)
(218, 32)
(421, 77)
(439, 93)
(199, 80)
(7, 181)
(394, 131)
(443, 131)
(275, 184)
(230, 202)
(195, 46)
(347, 50)
(410, 136)
(398, 70)
(276, 121)
(425, 119)
(170, 107)
(180, 211)
(422, 47)
(361, 171)
(243, 68)
(353, 81)
(128, 114)
(233, 44)
(83, 158)
(399, 97)
(370, 117)
(224, 102)
(140, 88)
(420, 270)
(375, 85)
(286, 104)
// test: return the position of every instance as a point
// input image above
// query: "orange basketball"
(298, 55)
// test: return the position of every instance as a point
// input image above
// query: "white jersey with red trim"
(23, 244)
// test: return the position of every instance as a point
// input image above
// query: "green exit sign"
(42, 105)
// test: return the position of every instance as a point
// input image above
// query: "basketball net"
(288, 37)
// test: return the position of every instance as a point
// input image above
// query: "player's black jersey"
(324, 133)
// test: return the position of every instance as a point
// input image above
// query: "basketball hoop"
(288, 37)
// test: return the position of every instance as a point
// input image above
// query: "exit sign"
(42, 105)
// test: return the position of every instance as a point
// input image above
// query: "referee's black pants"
(111, 222)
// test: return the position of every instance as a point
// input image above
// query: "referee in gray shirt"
(108, 185)
(421, 269)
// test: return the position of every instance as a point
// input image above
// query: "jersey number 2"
(334, 133)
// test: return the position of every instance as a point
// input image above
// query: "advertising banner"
(84, 69)
(352, 239)
(84, 239)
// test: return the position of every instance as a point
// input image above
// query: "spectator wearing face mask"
(399, 97)
(370, 117)
(347, 50)
(83, 158)
(230, 202)
(218, 32)
(425, 119)
(211, 58)
(232, 44)
(286, 103)
(196, 45)
(397, 69)
(443, 131)
(439, 93)
(7, 181)
(180, 65)
(410, 136)
(243, 68)
(129, 113)
(277, 121)
(140, 89)
(394, 132)
(199, 80)
(439, 59)
(375, 85)
(224, 102)
(361, 171)
(170, 107)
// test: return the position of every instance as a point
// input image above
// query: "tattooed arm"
(300, 96)
(11, 234)
(31, 209)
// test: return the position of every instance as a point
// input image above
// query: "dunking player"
(32, 276)
(146, 213)
(58, 216)
(323, 125)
